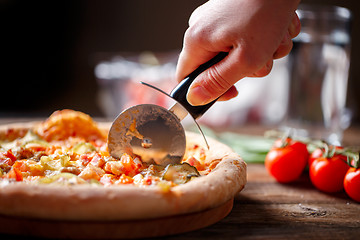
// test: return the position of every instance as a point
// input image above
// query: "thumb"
(217, 80)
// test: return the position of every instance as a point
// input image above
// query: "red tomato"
(327, 174)
(318, 152)
(15, 173)
(125, 179)
(352, 183)
(298, 146)
(287, 160)
(7, 157)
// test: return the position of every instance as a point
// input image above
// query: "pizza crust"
(126, 202)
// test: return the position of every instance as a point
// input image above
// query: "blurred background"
(57, 54)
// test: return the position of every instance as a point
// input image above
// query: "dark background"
(49, 49)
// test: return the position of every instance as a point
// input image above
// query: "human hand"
(254, 32)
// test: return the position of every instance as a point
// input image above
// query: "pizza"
(60, 170)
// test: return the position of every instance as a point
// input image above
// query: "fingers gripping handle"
(180, 91)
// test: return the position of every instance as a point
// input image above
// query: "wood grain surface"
(22, 228)
(266, 209)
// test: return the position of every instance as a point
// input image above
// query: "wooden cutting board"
(114, 229)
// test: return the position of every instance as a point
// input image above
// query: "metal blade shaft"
(179, 111)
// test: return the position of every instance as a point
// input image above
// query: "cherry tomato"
(298, 146)
(327, 173)
(352, 183)
(318, 152)
(286, 160)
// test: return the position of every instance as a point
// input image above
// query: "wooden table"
(268, 210)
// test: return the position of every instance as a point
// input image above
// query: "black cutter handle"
(180, 91)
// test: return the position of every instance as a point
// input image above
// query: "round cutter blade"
(150, 131)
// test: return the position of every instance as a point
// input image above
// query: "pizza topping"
(29, 141)
(180, 173)
(72, 170)
(63, 179)
(7, 158)
(126, 165)
(68, 123)
(69, 149)
(83, 147)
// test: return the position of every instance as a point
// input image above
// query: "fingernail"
(294, 27)
(197, 95)
(296, 21)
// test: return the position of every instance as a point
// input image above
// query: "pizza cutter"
(154, 132)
